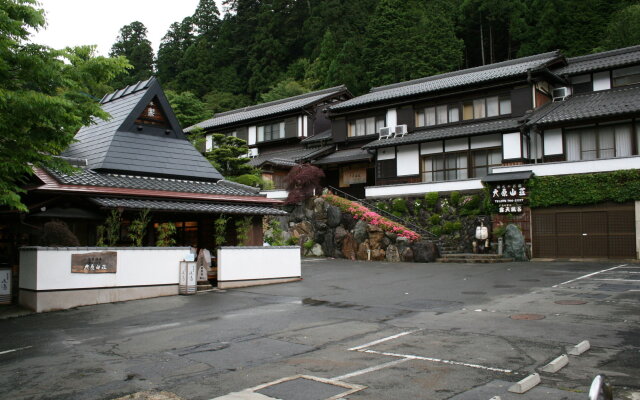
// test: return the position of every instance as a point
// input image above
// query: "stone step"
(473, 261)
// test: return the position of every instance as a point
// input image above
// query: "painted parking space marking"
(16, 349)
(439, 360)
(370, 369)
(375, 342)
(589, 275)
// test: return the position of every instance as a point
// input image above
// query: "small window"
(365, 126)
(492, 106)
(626, 76)
(442, 115)
(505, 105)
(420, 118)
(581, 83)
(467, 111)
(479, 108)
(430, 116)
(454, 114)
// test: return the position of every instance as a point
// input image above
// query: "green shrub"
(138, 228)
(382, 205)
(431, 200)
(243, 226)
(471, 205)
(499, 231)
(455, 199)
(276, 238)
(436, 231)
(399, 206)
(220, 230)
(292, 241)
(247, 179)
(435, 219)
(451, 226)
(165, 234)
(308, 245)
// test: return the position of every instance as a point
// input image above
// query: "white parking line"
(439, 360)
(17, 349)
(358, 348)
(589, 275)
(613, 279)
(370, 369)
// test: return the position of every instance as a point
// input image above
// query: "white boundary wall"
(47, 283)
(258, 265)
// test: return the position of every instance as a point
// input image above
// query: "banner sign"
(5, 286)
(510, 198)
(95, 263)
(353, 175)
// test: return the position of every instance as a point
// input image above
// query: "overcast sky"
(80, 22)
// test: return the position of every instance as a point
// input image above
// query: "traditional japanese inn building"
(139, 159)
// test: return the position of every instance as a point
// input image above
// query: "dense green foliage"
(133, 44)
(259, 51)
(229, 156)
(188, 108)
(46, 95)
(138, 228)
(619, 187)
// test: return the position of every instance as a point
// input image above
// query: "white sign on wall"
(5, 286)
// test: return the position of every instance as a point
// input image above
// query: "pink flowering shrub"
(362, 213)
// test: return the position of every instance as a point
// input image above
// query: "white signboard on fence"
(5, 286)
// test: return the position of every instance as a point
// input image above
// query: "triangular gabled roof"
(128, 144)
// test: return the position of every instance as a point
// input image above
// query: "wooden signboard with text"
(102, 262)
(510, 198)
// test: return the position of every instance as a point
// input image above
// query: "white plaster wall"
(601, 81)
(431, 147)
(208, 143)
(553, 142)
(411, 189)
(50, 268)
(408, 160)
(480, 142)
(305, 126)
(392, 117)
(387, 153)
(258, 263)
(253, 135)
(456, 144)
(275, 194)
(300, 128)
(511, 145)
(575, 167)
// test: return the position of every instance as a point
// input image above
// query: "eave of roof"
(600, 61)
(433, 133)
(289, 157)
(51, 185)
(619, 102)
(455, 79)
(345, 156)
(186, 206)
(267, 110)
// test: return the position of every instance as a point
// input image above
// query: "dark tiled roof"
(111, 145)
(318, 137)
(486, 73)
(599, 61)
(289, 157)
(267, 109)
(93, 178)
(345, 156)
(184, 206)
(426, 135)
(624, 101)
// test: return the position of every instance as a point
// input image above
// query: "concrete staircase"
(473, 258)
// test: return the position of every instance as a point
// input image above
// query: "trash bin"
(187, 283)
(5, 285)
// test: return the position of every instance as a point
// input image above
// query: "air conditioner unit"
(561, 93)
(400, 130)
(385, 133)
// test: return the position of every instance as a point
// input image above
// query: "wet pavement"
(390, 331)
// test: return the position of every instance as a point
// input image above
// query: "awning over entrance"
(185, 206)
(508, 177)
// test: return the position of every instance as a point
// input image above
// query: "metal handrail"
(380, 211)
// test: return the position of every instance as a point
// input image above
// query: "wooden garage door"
(604, 231)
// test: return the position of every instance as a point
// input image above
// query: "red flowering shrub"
(363, 213)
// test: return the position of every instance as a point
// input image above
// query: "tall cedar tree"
(171, 54)
(133, 44)
(409, 39)
(303, 181)
(46, 95)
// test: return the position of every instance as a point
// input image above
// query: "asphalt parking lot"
(352, 329)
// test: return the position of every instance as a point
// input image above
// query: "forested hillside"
(261, 50)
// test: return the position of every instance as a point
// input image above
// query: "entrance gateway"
(606, 230)
(600, 231)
